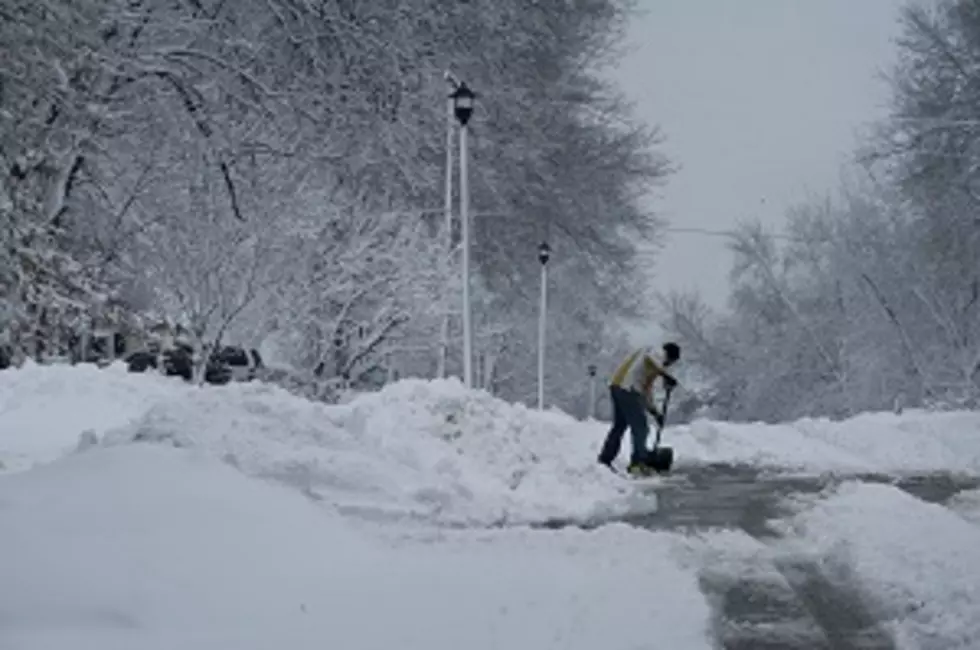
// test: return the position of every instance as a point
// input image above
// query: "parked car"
(229, 363)
(232, 363)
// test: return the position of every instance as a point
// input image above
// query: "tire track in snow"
(772, 598)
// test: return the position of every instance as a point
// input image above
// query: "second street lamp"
(544, 254)
(591, 410)
(463, 99)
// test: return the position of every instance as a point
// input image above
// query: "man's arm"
(654, 370)
(651, 369)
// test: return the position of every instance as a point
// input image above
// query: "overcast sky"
(760, 102)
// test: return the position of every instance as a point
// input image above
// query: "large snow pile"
(918, 564)
(430, 451)
(144, 547)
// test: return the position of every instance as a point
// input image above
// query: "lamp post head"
(544, 253)
(463, 103)
(592, 370)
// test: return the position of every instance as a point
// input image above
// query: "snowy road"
(778, 598)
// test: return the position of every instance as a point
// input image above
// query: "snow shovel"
(661, 457)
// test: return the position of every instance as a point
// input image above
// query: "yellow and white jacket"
(638, 372)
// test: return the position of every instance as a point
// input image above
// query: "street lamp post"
(544, 254)
(591, 410)
(448, 213)
(462, 98)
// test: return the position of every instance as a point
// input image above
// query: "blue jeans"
(630, 411)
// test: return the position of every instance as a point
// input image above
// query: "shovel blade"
(661, 459)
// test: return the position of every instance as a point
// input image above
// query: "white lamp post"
(462, 99)
(448, 213)
(544, 254)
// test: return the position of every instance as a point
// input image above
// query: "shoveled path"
(770, 601)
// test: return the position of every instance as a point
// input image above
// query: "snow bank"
(431, 450)
(529, 465)
(917, 563)
(913, 441)
(967, 505)
(145, 547)
(782, 446)
(428, 451)
(44, 409)
(916, 441)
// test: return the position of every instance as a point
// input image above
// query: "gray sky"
(760, 102)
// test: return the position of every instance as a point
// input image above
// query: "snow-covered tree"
(324, 125)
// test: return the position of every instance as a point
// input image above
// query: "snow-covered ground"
(967, 505)
(44, 409)
(915, 441)
(917, 564)
(433, 451)
(141, 512)
(421, 450)
(150, 547)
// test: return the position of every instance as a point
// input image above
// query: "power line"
(684, 230)
(702, 231)
(727, 234)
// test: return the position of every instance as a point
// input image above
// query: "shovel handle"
(663, 418)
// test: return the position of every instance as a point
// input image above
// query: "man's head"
(672, 353)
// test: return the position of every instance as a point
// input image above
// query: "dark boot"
(640, 470)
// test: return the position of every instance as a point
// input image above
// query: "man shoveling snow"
(631, 394)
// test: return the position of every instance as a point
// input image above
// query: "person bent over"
(631, 393)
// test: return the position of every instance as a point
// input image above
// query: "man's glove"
(669, 382)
